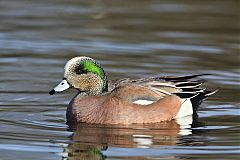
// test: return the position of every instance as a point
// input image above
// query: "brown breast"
(116, 107)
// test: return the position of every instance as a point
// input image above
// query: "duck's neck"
(100, 83)
(100, 86)
(105, 84)
(104, 80)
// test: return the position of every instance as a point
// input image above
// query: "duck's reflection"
(90, 140)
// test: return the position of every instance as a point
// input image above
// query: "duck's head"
(83, 74)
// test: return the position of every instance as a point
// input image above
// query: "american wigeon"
(127, 101)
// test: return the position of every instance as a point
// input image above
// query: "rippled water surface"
(130, 39)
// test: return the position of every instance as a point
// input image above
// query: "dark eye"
(80, 72)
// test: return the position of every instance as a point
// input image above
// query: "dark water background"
(130, 39)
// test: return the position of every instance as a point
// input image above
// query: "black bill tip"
(52, 92)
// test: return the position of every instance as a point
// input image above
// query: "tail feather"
(186, 95)
(197, 97)
(193, 90)
(174, 79)
(190, 84)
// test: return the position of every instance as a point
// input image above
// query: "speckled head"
(84, 74)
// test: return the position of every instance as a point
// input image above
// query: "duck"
(128, 101)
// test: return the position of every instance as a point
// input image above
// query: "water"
(130, 39)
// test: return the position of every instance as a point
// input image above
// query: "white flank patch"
(185, 121)
(143, 102)
(185, 125)
(186, 108)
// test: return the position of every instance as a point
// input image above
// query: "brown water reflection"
(130, 39)
(123, 136)
(91, 140)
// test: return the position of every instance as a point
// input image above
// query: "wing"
(184, 86)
